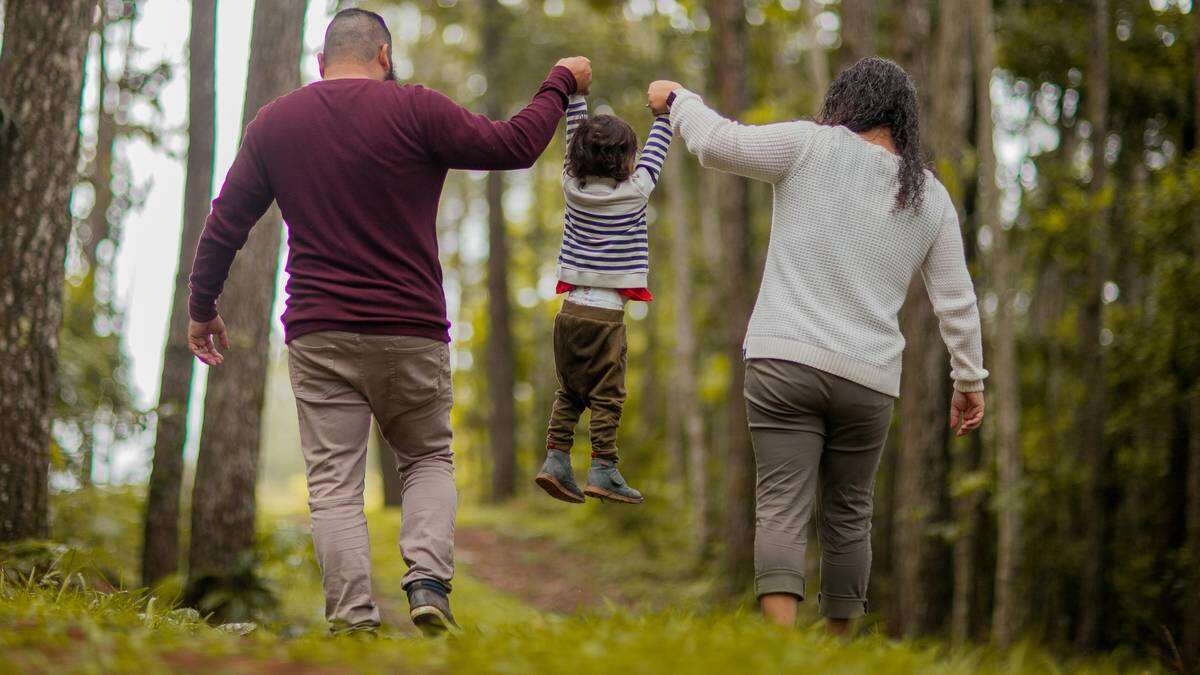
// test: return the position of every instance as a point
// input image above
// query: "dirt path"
(537, 571)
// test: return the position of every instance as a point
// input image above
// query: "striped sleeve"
(654, 153)
(577, 112)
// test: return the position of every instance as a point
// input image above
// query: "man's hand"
(581, 68)
(659, 92)
(200, 340)
(966, 411)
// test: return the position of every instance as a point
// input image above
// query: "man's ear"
(385, 60)
(321, 64)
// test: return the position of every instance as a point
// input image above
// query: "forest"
(160, 523)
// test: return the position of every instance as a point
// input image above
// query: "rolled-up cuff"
(841, 608)
(968, 386)
(779, 581)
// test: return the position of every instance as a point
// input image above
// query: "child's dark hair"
(603, 146)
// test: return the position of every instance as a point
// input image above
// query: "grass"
(62, 621)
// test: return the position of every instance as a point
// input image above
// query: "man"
(357, 165)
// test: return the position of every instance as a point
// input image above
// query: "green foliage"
(95, 407)
(241, 594)
(104, 522)
(49, 622)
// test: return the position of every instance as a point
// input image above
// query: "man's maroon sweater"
(357, 167)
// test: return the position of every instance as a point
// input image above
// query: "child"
(603, 262)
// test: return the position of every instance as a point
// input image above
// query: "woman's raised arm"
(763, 153)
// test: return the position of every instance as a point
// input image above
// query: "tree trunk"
(686, 400)
(1191, 611)
(500, 357)
(223, 499)
(388, 474)
(39, 145)
(729, 72)
(920, 468)
(160, 550)
(1006, 396)
(1091, 421)
(98, 225)
(858, 32)
(817, 57)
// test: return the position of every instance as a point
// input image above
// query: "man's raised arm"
(460, 139)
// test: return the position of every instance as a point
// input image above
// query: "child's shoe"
(558, 479)
(606, 482)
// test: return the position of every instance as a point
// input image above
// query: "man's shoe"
(605, 482)
(558, 479)
(429, 608)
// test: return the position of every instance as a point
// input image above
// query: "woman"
(855, 216)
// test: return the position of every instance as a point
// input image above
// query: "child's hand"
(657, 95)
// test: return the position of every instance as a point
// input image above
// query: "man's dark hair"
(876, 93)
(604, 147)
(356, 35)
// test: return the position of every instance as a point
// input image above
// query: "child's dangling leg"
(606, 398)
(556, 476)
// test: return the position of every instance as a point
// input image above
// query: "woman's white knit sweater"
(842, 254)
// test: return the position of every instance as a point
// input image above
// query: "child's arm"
(577, 112)
(654, 153)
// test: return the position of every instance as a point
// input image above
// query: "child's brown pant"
(589, 358)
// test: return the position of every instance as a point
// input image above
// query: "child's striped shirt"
(605, 241)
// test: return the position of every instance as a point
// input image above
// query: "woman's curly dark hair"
(603, 146)
(876, 93)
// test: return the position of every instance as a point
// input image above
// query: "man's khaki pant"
(340, 380)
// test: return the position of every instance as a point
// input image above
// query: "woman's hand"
(658, 93)
(966, 411)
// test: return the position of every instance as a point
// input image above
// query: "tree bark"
(1191, 619)
(41, 84)
(160, 548)
(1091, 421)
(693, 453)
(920, 451)
(99, 227)
(1191, 609)
(1006, 398)
(858, 32)
(223, 499)
(729, 73)
(817, 57)
(500, 358)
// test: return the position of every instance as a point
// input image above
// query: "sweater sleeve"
(949, 286)
(654, 154)
(244, 198)
(460, 139)
(763, 153)
(577, 112)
